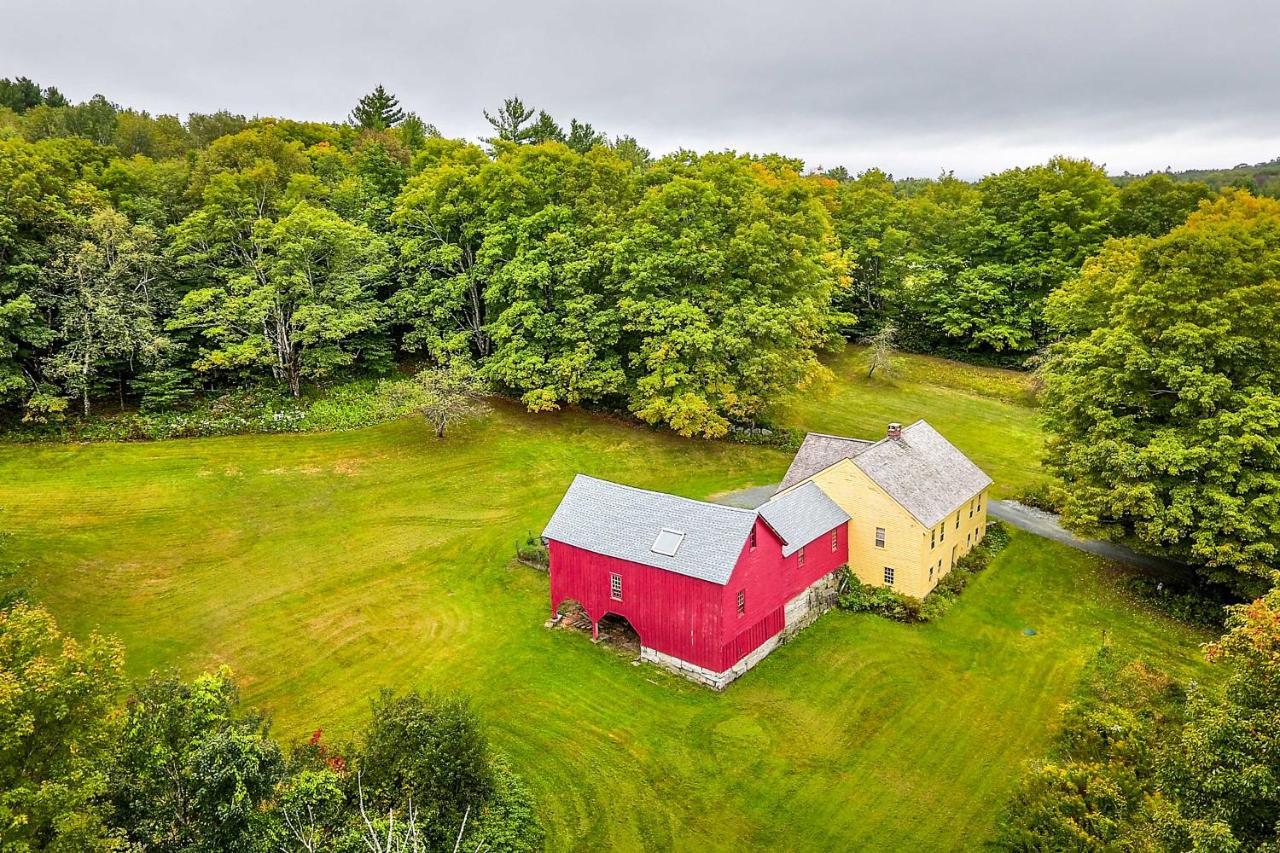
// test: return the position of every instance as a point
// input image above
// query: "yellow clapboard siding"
(908, 547)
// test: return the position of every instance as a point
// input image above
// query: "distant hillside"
(1260, 178)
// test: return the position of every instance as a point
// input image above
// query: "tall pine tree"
(377, 110)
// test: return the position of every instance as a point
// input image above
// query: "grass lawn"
(323, 567)
(987, 412)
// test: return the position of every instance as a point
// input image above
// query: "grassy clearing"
(987, 412)
(324, 566)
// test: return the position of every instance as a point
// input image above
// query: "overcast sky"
(913, 86)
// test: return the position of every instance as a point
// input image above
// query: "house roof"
(801, 516)
(923, 472)
(627, 523)
(818, 452)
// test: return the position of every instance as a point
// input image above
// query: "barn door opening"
(616, 632)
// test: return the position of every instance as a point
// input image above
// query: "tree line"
(144, 259)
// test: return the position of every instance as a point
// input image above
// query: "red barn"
(709, 589)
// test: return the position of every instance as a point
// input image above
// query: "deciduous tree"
(1163, 397)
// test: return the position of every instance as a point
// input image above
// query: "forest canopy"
(146, 259)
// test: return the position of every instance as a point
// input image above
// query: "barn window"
(753, 539)
(888, 576)
(800, 561)
(835, 539)
(742, 601)
(879, 537)
(615, 586)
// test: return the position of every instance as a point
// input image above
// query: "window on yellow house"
(957, 521)
(933, 538)
(888, 576)
(879, 537)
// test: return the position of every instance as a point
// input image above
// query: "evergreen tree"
(377, 110)
(511, 124)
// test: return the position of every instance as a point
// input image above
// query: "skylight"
(668, 542)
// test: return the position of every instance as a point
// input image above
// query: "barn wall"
(770, 581)
(674, 614)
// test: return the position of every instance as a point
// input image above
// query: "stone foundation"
(799, 613)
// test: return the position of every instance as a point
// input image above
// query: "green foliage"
(533, 552)
(193, 771)
(1196, 603)
(377, 110)
(56, 734)
(1139, 764)
(1163, 398)
(1155, 205)
(1090, 794)
(428, 751)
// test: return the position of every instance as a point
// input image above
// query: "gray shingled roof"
(624, 522)
(818, 452)
(924, 472)
(801, 516)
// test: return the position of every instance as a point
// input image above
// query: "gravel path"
(1046, 524)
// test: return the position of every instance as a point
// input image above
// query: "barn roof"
(627, 523)
(801, 516)
(818, 452)
(923, 472)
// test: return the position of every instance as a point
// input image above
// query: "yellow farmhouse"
(916, 504)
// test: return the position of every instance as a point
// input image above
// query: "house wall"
(963, 529)
(908, 548)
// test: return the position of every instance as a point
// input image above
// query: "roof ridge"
(664, 494)
(841, 437)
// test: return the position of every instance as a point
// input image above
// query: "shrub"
(1040, 496)
(532, 552)
(783, 438)
(858, 597)
(1197, 603)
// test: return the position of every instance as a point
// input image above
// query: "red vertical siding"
(675, 614)
(696, 620)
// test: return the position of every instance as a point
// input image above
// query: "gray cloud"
(913, 86)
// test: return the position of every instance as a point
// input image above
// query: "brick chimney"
(895, 430)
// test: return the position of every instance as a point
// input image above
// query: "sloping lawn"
(323, 567)
(987, 412)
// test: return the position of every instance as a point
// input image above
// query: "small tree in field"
(449, 395)
(883, 349)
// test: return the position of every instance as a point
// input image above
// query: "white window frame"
(800, 558)
(615, 586)
(881, 537)
(835, 539)
(742, 602)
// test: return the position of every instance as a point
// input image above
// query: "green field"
(987, 412)
(323, 567)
